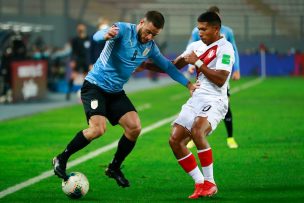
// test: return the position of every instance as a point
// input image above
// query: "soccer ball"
(76, 186)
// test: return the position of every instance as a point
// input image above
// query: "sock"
(188, 163)
(228, 122)
(70, 88)
(205, 157)
(125, 146)
(76, 144)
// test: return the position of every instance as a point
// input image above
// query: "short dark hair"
(214, 9)
(156, 18)
(210, 17)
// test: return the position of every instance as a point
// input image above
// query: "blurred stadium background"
(46, 27)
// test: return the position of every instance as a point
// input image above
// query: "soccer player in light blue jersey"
(228, 34)
(128, 45)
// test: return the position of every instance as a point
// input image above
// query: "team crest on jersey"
(146, 51)
(211, 53)
(94, 104)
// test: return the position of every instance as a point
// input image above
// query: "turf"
(267, 167)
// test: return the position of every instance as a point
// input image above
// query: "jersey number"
(134, 55)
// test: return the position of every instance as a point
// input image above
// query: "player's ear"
(217, 29)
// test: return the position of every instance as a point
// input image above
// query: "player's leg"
(178, 140)
(93, 102)
(73, 76)
(200, 129)
(229, 127)
(123, 110)
(209, 116)
(97, 126)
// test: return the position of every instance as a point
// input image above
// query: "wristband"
(198, 63)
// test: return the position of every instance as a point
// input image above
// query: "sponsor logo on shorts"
(94, 104)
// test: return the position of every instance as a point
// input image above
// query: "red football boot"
(209, 189)
(197, 191)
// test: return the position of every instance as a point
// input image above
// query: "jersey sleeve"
(231, 39)
(164, 64)
(225, 59)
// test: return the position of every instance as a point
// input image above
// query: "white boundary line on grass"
(106, 148)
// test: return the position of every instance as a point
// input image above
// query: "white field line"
(247, 85)
(106, 148)
(143, 107)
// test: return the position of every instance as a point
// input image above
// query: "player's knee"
(98, 131)
(173, 142)
(133, 130)
(197, 132)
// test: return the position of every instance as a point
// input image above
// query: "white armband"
(198, 63)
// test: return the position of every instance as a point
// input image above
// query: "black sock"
(228, 122)
(125, 146)
(76, 144)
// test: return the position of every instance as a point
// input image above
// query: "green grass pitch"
(268, 166)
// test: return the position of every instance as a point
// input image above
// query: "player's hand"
(112, 32)
(191, 69)
(192, 87)
(191, 58)
(236, 75)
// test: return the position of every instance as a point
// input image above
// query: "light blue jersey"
(122, 55)
(228, 34)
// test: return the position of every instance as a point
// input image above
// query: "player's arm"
(179, 63)
(236, 67)
(149, 65)
(165, 65)
(107, 33)
(218, 77)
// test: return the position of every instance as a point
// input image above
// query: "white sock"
(208, 173)
(197, 175)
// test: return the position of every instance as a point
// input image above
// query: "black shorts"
(98, 102)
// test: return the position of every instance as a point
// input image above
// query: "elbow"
(220, 84)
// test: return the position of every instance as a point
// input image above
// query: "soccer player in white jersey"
(227, 32)
(213, 58)
(102, 94)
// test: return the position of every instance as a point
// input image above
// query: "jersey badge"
(146, 51)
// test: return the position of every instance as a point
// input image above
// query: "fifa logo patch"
(94, 104)
(226, 59)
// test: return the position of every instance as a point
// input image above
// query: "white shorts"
(214, 109)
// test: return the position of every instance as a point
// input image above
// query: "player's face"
(147, 32)
(208, 33)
